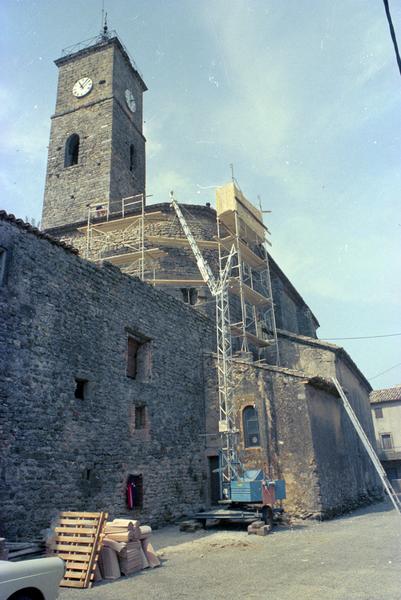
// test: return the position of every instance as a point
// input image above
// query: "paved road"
(355, 557)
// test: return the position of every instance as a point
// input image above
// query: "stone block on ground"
(190, 526)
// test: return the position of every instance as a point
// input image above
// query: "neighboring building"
(386, 413)
(109, 380)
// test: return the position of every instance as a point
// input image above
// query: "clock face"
(82, 87)
(130, 100)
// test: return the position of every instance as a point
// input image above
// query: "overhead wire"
(383, 372)
(392, 33)
(361, 337)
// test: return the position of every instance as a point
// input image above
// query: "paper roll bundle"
(150, 554)
(123, 530)
(108, 562)
(145, 531)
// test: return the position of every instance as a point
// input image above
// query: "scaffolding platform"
(123, 259)
(178, 282)
(176, 242)
(120, 224)
(253, 260)
(250, 295)
(254, 339)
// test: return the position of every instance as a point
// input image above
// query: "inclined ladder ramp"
(368, 447)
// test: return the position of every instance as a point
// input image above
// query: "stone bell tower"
(97, 146)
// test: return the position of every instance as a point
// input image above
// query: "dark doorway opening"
(134, 492)
(214, 479)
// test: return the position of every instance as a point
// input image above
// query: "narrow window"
(140, 417)
(132, 158)
(80, 388)
(193, 296)
(134, 491)
(71, 150)
(189, 295)
(387, 442)
(378, 412)
(3, 259)
(138, 358)
(251, 427)
(87, 474)
(185, 295)
(132, 357)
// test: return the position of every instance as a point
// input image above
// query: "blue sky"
(302, 96)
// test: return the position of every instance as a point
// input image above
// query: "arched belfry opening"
(71, 150)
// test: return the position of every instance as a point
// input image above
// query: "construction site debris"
(150, 554)
(108, 563)
(190, 526)
(258, 528)
(126, 549)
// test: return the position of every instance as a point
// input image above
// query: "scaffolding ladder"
(368, 447)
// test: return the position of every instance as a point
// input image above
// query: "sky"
(302, 97)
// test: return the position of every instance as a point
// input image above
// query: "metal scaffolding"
(241, 224)
(118, 236)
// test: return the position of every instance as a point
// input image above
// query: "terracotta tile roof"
(386, 395)
(4, 216)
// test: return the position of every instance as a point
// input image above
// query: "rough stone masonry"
(65, 320)
(65, 325)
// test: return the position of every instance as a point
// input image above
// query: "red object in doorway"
(130, 495)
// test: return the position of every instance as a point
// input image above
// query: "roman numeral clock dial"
(82, 87)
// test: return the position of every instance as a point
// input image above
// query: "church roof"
(386, 395)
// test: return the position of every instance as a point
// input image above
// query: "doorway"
(214, 479)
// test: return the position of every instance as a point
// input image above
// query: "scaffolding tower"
(118, 236)
(240, 223)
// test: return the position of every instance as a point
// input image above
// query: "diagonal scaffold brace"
(368, 447)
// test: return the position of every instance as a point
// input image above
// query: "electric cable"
(361, 337)
(392, 33)
(383, 372)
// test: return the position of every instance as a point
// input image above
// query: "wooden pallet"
(79, 537)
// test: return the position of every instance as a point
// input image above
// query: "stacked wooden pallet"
(78, 541)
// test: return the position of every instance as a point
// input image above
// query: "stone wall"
(322, 359)
(64, 319)
(345, 472)
(305, 438)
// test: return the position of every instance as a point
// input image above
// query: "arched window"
(71, 150)
(251, 427)
(132, 158)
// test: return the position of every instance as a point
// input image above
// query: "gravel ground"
(355, 557)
